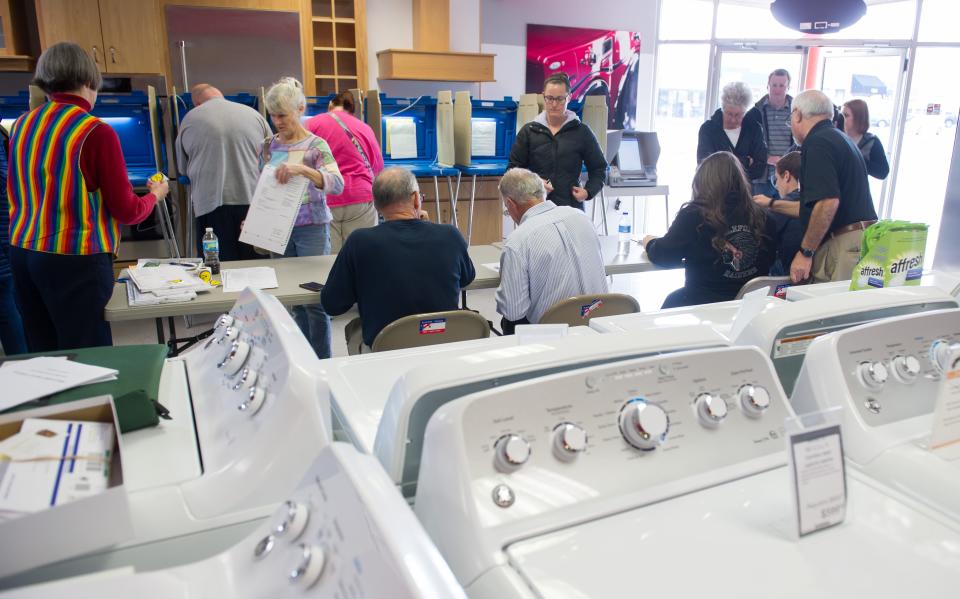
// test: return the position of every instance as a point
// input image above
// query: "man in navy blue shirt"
(403, 266)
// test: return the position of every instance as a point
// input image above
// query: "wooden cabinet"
(122, 36)
(338, 36)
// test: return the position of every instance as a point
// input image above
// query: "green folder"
(134, 392)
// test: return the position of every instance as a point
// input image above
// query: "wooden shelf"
(331, 49)
(16, 63)
(435, 66)
(333, 20)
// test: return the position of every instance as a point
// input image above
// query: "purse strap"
(355, 141)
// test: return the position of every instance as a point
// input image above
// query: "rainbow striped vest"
(51, 209)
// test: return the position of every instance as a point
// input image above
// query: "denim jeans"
(12, 337)
(312, 240)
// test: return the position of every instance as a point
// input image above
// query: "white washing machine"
(343, 533)
(422, 390)
(244, 429)
(944, 281)
(886, 375)
(658, 477)
(719, 315)
(360, 384)
(785, 330)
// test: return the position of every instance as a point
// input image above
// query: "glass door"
(874, 75)
(753, 65)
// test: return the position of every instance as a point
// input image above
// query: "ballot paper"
(52, 462)
(25, 380)
(238, 279)
(273, 211)
(483, 138)
(494, 266)
(402, 137)
(166, 276)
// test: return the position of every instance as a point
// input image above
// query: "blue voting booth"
(420, 115)
(488, 157)
(129, 115)
(12, 107)
(184, 102)
(317, 105)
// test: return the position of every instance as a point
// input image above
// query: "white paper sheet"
(273, 211)
(25, 380)
(494, 266)
(483, 138)
(238, 279)
(752, 304)
(166, 276)
(402, 137)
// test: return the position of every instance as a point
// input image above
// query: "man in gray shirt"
(218, 148)
(773, 113)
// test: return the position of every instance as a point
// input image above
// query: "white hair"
(522, 186)
(812, 103)
(285, 97)
(736, 94)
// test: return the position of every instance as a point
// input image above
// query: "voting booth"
(12, 107)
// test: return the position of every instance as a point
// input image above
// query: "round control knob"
(235, 357)
(248, 377)
(906, 368)
(643, 425)
(291, 520)
(711, 409)
(569, 440)
(940, 355)
(872, 374)
(224, 321)
(754, 399)
(254, 401)
(308, 567)
(512, 451)
(228, 336)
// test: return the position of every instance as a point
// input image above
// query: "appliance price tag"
(819, 478)
(946, 412)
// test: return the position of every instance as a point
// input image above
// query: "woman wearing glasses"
(556, 145)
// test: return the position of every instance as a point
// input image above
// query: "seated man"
(789, 229)
(553, 254)
(403, 266)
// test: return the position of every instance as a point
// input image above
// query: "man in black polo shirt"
(835, 204)
(403, 266)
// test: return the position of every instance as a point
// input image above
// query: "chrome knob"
(248, 377)
(224, 321)
(906, 368)
(643, 425)
(754, 400)
(872, 374)
(569, 441)
(254, 401)
(940, 355)
(235, 357)
(710, 409)
(510, 452)
(308, 567)
(291, 520)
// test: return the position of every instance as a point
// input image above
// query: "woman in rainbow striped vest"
(69, 194)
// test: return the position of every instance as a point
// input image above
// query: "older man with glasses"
(556, 145)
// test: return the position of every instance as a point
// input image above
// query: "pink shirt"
(357, 178)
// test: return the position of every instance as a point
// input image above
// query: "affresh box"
(70, 528)
(891, 256)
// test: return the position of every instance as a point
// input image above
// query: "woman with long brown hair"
(720, 237)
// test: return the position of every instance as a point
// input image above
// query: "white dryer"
(360, 384)
(785, 330)
(422, 390)
(719, 315)
(344, 532)
(947, 282)
(249, 414)
(663, 477)
(886, 376)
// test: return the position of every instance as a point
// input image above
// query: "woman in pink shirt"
(355, 148)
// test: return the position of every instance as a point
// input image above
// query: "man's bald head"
(202, 92)
(809, 108)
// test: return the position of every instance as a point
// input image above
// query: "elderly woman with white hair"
(728, 131)
(295, 152)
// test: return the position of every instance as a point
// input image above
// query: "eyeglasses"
(555, 99)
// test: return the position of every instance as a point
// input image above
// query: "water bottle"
(623, 234)
(211, 251)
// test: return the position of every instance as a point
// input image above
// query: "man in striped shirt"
(773, 113)
(553, 254)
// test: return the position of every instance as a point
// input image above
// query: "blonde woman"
(295, 152)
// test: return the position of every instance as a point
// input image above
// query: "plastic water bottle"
(211, 251)
(623, 234)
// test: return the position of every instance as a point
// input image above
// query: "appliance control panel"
(617, 428)
(892, 369)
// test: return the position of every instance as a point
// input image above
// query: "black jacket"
(712, 276)
(874, 156)
(560, 158)
(751, 148)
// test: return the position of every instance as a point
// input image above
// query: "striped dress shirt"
(553, 254)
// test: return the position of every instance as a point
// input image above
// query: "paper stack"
(155, 282)
(26, 380)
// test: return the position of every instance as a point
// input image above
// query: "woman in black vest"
(728, 131)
